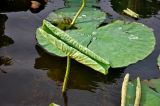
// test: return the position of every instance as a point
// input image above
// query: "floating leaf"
(123, 43)
(118, 44)
(150, 93)
(62, 41)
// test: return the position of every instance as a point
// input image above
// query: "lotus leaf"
(150, 93)
(117, 44)
(62, 41)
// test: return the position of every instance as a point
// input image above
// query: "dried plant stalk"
(138, 93)
(124, 90)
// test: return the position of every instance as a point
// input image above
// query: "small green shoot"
(53, 104)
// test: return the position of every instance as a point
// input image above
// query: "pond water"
(31, 77)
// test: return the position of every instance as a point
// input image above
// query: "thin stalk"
(78, 13)
(66, 75)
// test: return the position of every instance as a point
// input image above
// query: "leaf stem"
(78, 13)
(66, 75)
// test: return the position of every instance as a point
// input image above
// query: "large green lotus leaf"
(62, 41)
(150, 93)
(158, 62)
(89, 16)
(123, 43)
(81, 38)
(119, 39)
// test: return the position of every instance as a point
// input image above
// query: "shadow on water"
(4, 39)
(19, 5)
(5, 61)
(81, 77)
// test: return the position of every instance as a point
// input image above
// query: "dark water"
(31, 77)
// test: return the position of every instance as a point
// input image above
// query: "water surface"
(31, 77)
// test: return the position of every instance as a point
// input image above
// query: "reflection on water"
(81, 77)
(145, 8)
(4, 40)
(5, 61)
(3, 19)
(21, 5)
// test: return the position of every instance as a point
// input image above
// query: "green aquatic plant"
(117, 44)
(98, 48)
(53, 104)
(142, 93)
(119, 39)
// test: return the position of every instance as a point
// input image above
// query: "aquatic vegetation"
(95, 47)
(53, 104)
(142, 93)
(117, 44)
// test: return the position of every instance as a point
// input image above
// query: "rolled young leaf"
(72, 52)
